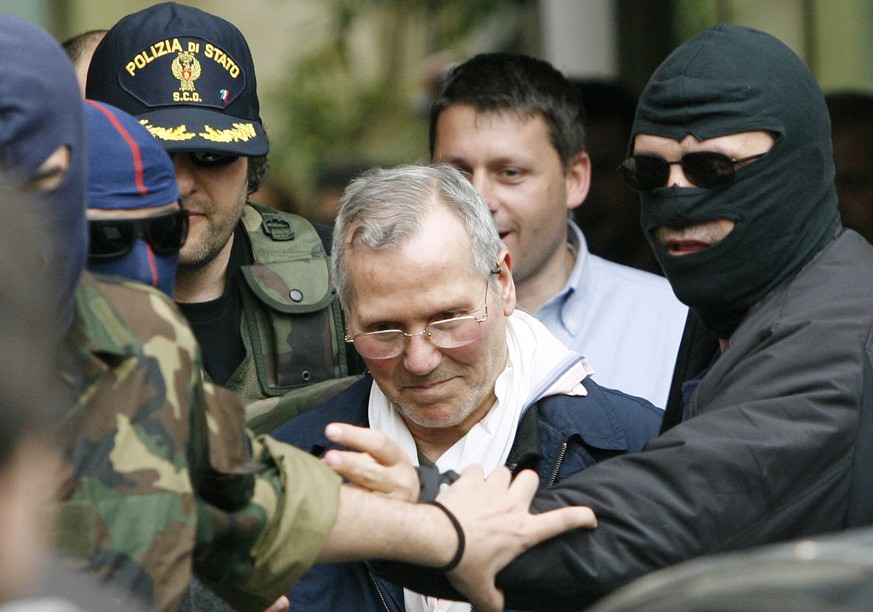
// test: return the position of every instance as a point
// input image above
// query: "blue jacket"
(557, 436)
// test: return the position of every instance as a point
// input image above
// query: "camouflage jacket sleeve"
(161, 475)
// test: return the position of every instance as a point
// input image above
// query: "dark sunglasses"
(165, 233)
(705, 169)
(208, 159)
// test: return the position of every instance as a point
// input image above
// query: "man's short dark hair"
(519, 84)
(257, 170)
(75, 45)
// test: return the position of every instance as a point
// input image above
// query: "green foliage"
(691, 17)
(362, 94)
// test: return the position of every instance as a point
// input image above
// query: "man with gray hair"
(458, 375)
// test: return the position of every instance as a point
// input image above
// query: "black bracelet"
(461, 542)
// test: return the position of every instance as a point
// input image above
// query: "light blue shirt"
(626, 322)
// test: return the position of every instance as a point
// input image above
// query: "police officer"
(253, 282)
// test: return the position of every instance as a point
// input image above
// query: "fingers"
(382, 466)
(516, 493)
(374, 443)
(359, 469)
(524, 487)
(491, 601)
(494, 513)
(280, 605)
(549, 524)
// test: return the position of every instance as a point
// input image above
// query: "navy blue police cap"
(186, 75)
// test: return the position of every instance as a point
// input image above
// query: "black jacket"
(779, 445)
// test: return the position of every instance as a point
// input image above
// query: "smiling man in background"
(514, 125)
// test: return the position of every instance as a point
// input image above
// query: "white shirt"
(538, 366)
(626, 322)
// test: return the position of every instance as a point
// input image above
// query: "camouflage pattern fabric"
(292, 326)
(263, 416)
(161, 477)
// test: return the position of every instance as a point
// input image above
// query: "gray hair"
(384, 208)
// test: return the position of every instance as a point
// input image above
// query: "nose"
(421, 356)
(677, 176)
(482, 182)
(184, 174)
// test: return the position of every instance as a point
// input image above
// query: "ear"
(505, 282)
(578, 179)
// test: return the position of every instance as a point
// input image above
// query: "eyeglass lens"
(446, 333)
(451, 333)
(706, 169)
(115, 237)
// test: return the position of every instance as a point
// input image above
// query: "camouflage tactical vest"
(292, 322)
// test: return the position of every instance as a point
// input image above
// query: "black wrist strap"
(461, 542)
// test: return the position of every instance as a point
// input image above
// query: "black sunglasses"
(705, 169)
(208, 159)
(165, 233)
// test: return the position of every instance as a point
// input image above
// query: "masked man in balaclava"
(731, 154)
(136, 224)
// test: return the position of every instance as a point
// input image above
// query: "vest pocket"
(294, 322)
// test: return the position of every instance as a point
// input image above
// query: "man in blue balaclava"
(136, 223)
(731, 154)
(50, 159)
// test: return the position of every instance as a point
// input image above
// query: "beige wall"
(834, 37)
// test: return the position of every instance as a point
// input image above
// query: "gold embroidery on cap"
(239, 131)
(177, 133)
(186, 68)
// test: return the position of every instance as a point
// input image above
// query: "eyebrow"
(433, 317)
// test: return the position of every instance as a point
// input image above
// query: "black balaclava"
(726, 80)
(40, 110)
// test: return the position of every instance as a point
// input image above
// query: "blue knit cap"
(127, 167)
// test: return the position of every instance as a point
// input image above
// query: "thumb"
(493, 601)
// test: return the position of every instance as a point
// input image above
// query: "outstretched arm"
(381, 466)
(493, 513)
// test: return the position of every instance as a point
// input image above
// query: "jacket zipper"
(378, 589)
(554, 476)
